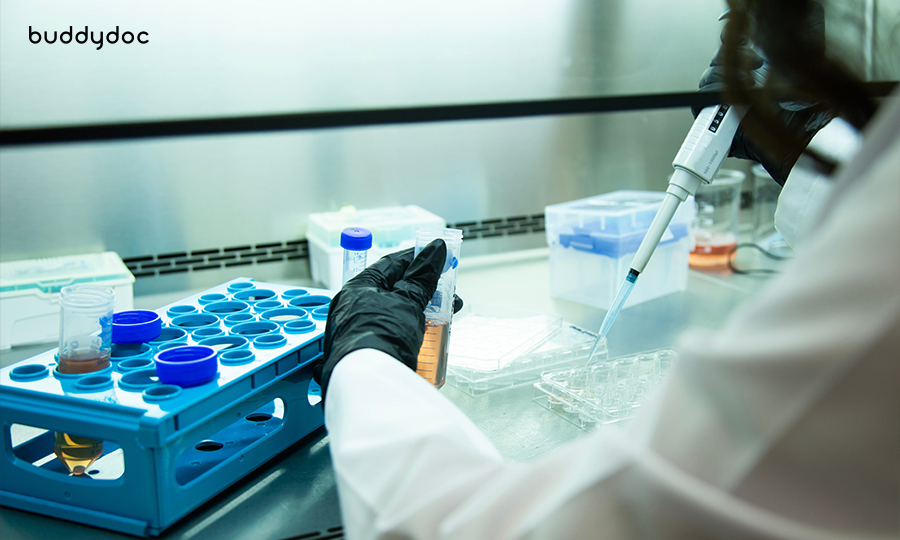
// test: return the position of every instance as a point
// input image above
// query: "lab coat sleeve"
(806, 189)
(783, 424)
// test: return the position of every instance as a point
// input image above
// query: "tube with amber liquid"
(433, 355)
(85, 331)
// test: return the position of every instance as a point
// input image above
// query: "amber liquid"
(79, 362)
(77, 453)
(707, 256)
(432, 361)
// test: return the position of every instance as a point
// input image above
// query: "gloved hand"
(803, 120)
(383, 308)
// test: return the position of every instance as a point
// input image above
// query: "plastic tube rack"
(167, 449)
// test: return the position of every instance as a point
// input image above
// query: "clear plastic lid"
(390, 226)
(50, 275)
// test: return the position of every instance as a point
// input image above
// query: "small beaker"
(432, 359)
(85, 328)
(715, 230)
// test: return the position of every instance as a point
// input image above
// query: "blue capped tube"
(356, 242)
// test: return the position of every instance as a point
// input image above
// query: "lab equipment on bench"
(393, 229)
(698, 160)
(715, 230)
(432, 360)
(85, 331)
(593, 240)
(29, 293)
(495, 348)
(85, 328)
(171, 437)
(356, 242)
(606, 392)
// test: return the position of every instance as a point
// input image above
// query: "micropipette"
(704, 149)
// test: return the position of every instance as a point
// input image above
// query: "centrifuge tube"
(356, 242)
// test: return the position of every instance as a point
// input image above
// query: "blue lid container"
(356, 239)
(187, 366)
(135, 326)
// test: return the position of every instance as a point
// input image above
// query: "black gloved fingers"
(385, 272)
(747, 58)
(457, 303)
(421, 278)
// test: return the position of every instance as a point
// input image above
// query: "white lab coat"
(806, 190)
(783, 424)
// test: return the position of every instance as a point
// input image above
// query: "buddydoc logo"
(82, 36)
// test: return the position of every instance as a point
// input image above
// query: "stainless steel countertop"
(295, 493)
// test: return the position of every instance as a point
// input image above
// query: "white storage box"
(29, 293)
(393, 229)
(593, 241)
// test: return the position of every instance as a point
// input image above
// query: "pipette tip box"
(29, 292)
(593, 241)
(393, 228)
(166, 449)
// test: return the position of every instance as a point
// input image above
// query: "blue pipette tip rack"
(216, 392)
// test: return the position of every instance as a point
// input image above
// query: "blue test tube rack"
(166, 450)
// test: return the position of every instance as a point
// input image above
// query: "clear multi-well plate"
(604, 392)
(494, 349)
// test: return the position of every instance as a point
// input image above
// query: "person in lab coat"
(785, 423)
(805, 185)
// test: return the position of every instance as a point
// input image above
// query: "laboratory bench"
(294, 495)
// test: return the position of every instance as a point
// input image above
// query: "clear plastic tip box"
(29, 293)
(393, 229)
(153, 452)
(593, 241)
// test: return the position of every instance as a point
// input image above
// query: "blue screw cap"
(187, 366)
(135, 326)
(356, 239)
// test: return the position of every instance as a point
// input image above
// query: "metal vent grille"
(334, 533)
(213, 259)
(145, 266)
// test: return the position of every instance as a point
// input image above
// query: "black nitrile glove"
(383, 308)
(802, 119)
